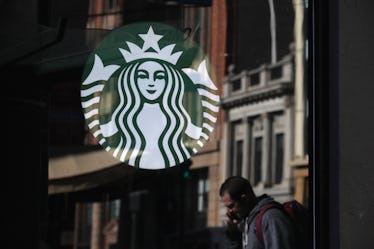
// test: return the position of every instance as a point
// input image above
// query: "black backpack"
(299, 215)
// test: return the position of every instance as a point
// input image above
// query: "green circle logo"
(147, 96)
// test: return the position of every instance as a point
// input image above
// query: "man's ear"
(245, 198)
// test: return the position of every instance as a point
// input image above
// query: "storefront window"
(252, 113)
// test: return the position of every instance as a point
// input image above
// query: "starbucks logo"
(147, 96)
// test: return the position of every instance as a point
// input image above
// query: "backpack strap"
(289, 207)
(258, 221)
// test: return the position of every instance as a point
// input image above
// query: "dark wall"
(24, 158)
(24, 122)
(356, 122)
(343, 146)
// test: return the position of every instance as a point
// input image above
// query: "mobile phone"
(233, 216)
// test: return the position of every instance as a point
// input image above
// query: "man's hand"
(232, 218)
(232, 221)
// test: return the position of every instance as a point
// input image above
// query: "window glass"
(279, 143)
(257, 172)
(115, 207)
(253, 124)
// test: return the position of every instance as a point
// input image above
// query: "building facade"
(258, 125)
(264, 99)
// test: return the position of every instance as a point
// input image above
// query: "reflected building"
(107, 204)
(93, 201)
(264, 98)
(258, 125)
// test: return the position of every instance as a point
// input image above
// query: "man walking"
(243, 206)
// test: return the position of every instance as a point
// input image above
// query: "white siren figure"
(148, 127)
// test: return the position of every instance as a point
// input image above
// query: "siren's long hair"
(132, 142)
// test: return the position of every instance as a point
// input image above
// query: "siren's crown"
(150, 49)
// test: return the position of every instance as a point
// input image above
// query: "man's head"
(238, 197)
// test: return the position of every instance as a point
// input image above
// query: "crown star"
(150, 41)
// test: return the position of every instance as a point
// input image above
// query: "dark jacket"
(277, 230)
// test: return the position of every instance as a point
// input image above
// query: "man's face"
(236, 211)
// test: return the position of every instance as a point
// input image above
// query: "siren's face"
(151, 80)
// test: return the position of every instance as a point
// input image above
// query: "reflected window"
(196, 199)
(84, 216)
(115, 207)
(256, 178)
(238, 157)
(105, 14)
(202, 194)
(237, 135)
(279, 155)
(197, 25)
